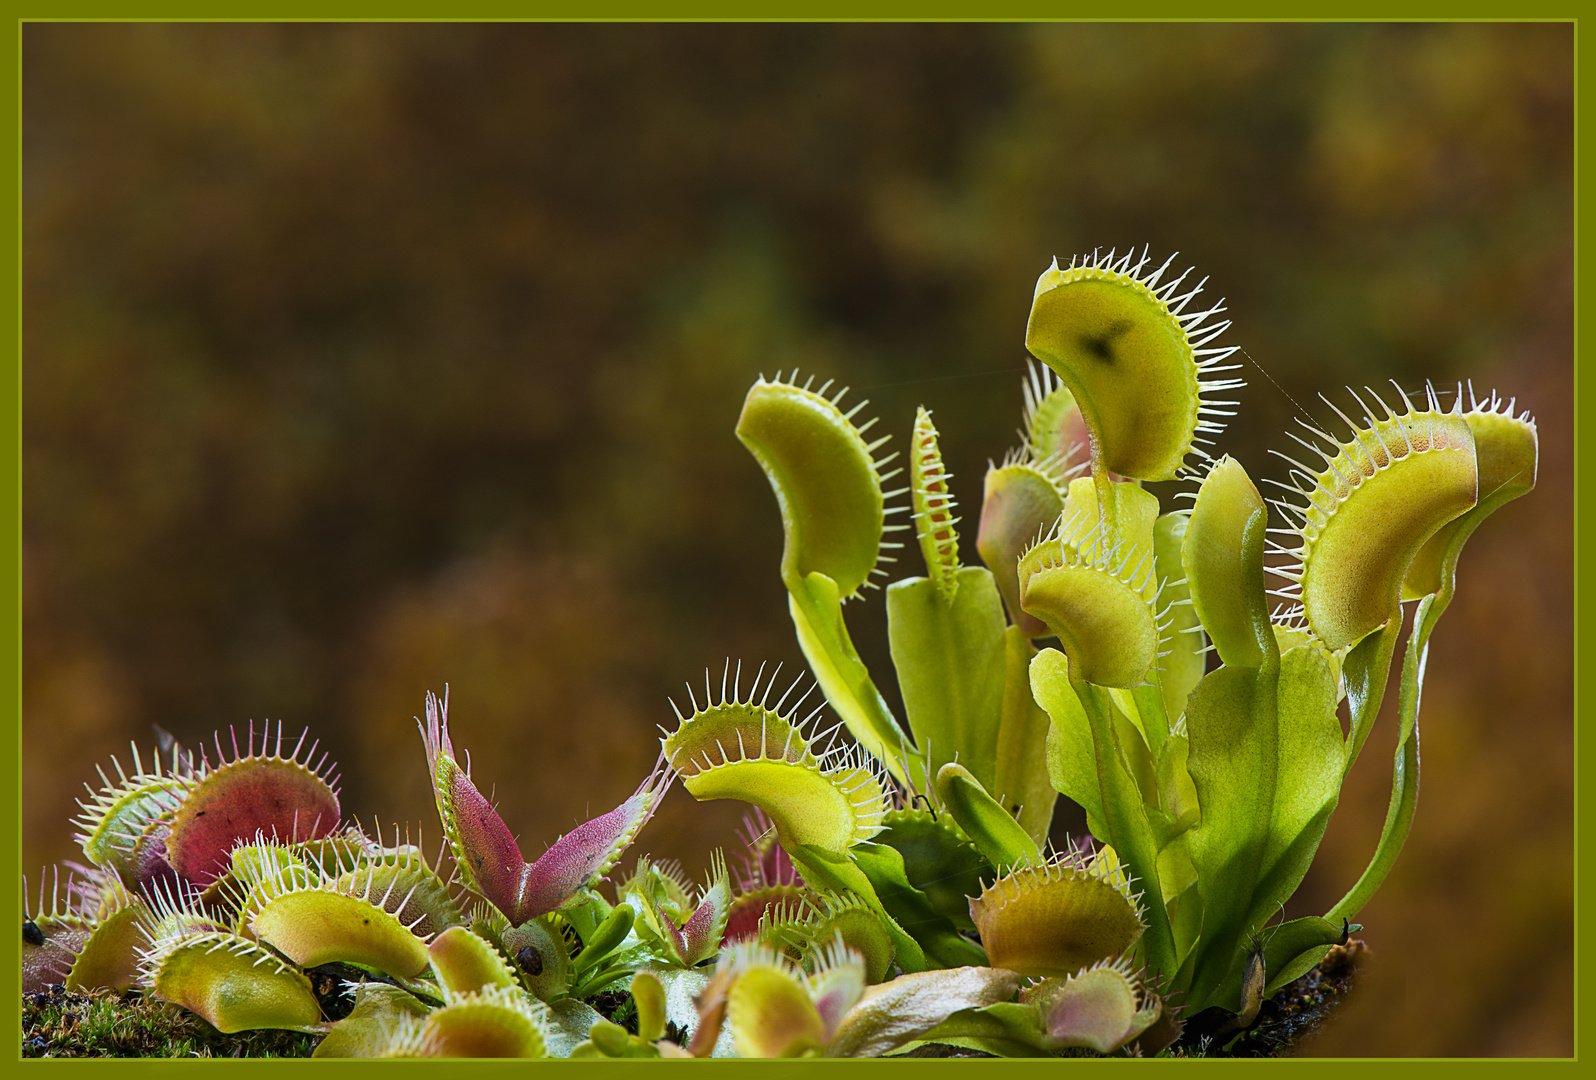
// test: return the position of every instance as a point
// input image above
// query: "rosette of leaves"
(679, 928)
(1192, 718)
(898, 888)
(222, 884)
(160, 840)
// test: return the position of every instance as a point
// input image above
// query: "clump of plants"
(897, 887)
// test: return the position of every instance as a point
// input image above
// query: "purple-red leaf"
(705, 929)
(483, 844)
(780, 901)
(586, 853)
(490, 862)
(256, 793)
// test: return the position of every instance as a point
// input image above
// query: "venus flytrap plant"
(831, 917)
(116, 825)
(494, 1022)
(259, 887)
(611, 1040)
(946, 629)
(230, 981)
(334, 921)
(1194, 723)
(899, 888)
(402, 882)
(1110, 334)
(1263, 747)
(767, 886)
(245, 794)
(1101, 1008)
(964, 672)
(464, 962)
(1134, 362)
(1022, 500)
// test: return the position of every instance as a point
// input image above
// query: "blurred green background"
(362, 359)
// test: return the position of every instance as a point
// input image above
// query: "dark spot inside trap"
(200, 814)
(530, 959)
(366, 922)
(31, 932)
(1101, 345)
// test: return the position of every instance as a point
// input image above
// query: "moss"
(60, 1024)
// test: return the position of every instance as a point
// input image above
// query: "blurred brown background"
(361, 359)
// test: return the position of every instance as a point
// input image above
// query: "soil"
(1297, 1010)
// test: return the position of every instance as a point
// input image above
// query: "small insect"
(531, 960)
(31, 932)
(1256, 978)
(1253, 983)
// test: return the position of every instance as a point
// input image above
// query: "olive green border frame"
(697, 10)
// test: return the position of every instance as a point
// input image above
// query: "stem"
(843, 677)
(1130, 833)
(1405, 765)
(1228, 910)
